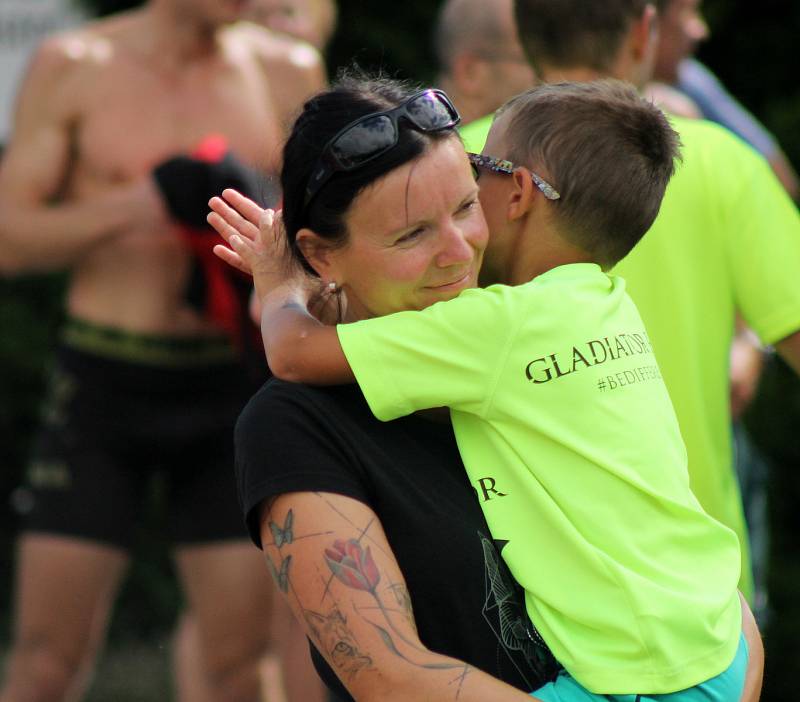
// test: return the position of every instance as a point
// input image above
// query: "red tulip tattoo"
(353, 565)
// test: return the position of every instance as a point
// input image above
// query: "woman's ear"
(318, 252)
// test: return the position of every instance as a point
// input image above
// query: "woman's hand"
(255, 238)
(298, 346)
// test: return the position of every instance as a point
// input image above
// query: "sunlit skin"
(416, 236)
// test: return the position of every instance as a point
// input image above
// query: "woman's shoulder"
(296, 438)
(283, 403)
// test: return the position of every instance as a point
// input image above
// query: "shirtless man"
(140, 373)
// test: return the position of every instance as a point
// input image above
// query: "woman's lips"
(463, 282)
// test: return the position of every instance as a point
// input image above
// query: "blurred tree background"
(748, 49)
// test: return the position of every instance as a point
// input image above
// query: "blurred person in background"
(106, 174)
(481, 63)
(678, 77)
(726, 241)
(313, 21)
(681, 29)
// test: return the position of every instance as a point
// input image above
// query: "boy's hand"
(255, 238)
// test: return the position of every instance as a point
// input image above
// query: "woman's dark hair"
(353, 95)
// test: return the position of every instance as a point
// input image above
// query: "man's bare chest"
(132, 121)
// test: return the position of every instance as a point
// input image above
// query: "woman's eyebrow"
(424, 221)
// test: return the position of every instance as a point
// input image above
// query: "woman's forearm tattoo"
(387, 609)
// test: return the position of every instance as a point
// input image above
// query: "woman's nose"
(456, 247)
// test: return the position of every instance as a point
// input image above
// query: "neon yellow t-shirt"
(474, 133)
(725, 214)
(558, 403)
(725, 211)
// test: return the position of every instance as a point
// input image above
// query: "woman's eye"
(410, 236)
(467, 206)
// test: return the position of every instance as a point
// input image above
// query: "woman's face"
(416, 236)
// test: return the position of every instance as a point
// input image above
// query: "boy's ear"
(522, 194)
(318, 252)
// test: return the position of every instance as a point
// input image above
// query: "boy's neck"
(538, 249)
(523, 272)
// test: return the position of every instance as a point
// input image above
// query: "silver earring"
(332, 288)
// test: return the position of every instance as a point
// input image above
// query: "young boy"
(558, 405)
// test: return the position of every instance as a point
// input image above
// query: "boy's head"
(607, 151)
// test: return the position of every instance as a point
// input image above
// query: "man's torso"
(133, 111)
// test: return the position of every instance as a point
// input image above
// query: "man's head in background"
(313, 21)
(205, 14)
(681, 28)
(588, 39)
(481, 63)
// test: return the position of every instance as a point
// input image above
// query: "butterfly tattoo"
(281, 576)
(283, 535)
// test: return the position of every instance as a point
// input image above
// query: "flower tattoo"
(353, 565)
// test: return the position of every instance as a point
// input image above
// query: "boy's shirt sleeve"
(446, 355)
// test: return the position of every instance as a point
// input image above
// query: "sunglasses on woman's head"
(497, 165)
(372, 135)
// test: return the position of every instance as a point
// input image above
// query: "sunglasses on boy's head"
(374, 134)
(497, 165)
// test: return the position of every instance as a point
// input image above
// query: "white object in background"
(23, 24)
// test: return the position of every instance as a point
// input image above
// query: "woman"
(380, 201)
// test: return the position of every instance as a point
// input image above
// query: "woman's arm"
(755, 661)
(299, 348)
(332, 562)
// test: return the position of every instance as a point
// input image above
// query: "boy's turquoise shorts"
(725, 687)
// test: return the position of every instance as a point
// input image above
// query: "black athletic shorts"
(110, 426)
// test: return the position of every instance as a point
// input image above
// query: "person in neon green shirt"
(726, 241)
(557, 400)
